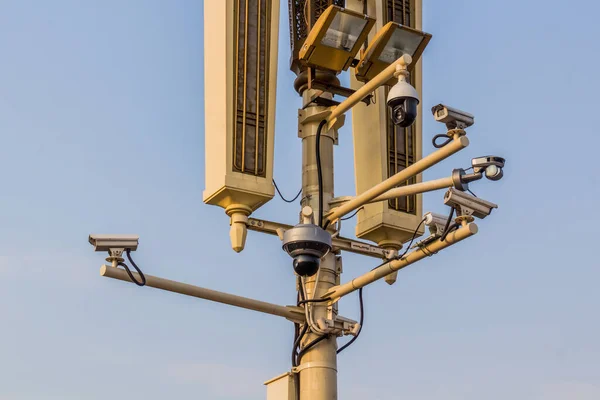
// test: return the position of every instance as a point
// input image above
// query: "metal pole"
(292, 313)
(318, 366)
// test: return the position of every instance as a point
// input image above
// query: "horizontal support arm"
(293, 313)
(457, 144)
(339, 242)
(462, 233)
(367, 89)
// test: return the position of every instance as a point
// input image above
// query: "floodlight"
(390, 43)
(335, 39)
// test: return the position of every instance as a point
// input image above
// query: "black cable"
(469, 190)
(362, 319)
(283, 198)
(440, 145)
(122, 264)
(447, 226)
(452, 228)
(314, 301)
(319, 171)
(413, 238)
(310, 345)
(350, 216)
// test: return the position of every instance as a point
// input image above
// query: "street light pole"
(317, 368)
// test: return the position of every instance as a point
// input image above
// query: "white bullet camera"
(106, 242)
(435, 223)
(468, 205)
(452, 117)
(307, 244)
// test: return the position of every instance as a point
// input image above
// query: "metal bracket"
(339, 243)
(324, 87)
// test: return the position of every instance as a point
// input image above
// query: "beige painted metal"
(318, 381)
(379, 222)
(238, 193)
(339, 242)
(451, 148)
(417, 188)
(281, 387)
(314, 53)
(290, 312)
(461, 233)
(367, 89)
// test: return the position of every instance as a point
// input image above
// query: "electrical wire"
(361, 321)
(122, 264)
(319, 171)
(440, 145)
(351, 215)
(452, 228)
(447, 226)
(310, 345)
(469, 190)
(413, 238)
(314, 301)
(283, 198)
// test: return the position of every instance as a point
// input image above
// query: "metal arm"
(457, 144)
(341, 325)
(367, 89)
(336, 292)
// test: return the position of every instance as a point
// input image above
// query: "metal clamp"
(314, 364)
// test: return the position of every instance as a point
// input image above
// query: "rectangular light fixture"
(391, 42)
(335, 39)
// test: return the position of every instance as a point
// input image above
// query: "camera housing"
(468, 205)
(491, 165)
(435, 223)
(106, 242)
(307, 244)
(403, 100)
(452, 117)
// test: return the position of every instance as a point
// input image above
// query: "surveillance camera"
(307, 244)
(403, 100)
(435, 223)
(452, 117)
(106, 242)
(491, 165)
(468, 205)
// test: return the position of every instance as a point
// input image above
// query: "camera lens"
(404, 111)
(306, 265)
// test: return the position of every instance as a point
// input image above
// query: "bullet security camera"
(435, 223)
(106, 242)
(307, 244)
(491, 165)
(452, 117)
(403, 100)
(468, 205)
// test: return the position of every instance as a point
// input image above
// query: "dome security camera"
(403, 100)
(307, 244)
(491, 165)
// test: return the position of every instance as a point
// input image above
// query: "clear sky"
(101, 120)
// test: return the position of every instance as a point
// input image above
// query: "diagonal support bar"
(451, 148)
(336, 292)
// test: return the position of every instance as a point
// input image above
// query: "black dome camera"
(307, 244)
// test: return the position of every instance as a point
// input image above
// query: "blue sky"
(101, 119)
